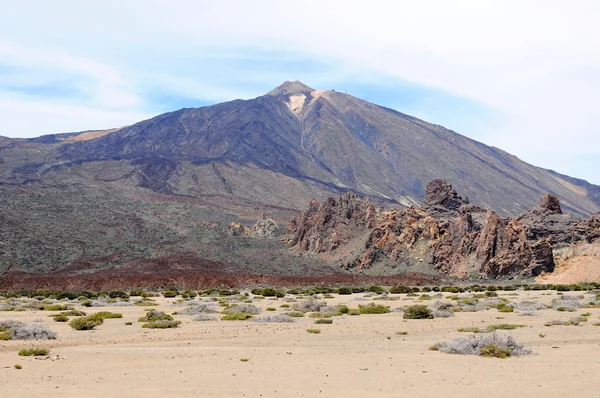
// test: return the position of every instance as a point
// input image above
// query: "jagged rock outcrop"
(445, 233)
(325, 226)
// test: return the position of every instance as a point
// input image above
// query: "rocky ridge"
(445, 233)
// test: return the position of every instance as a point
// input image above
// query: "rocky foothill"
(445, 233)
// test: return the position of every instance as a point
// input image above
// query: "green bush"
(344, 291)
(314, 331)
(296, 314)
(36, 352)
(60, 318)
(86, 323)
(118, 294)
(492, 351)
(373, 308)
(170, 294)
(236, 316)
(324, 321)
(400, 289)
(162, 324)
(4, 336)
(417, 312)
(271, 309)
(154, 315)
(377, 289)
(105, 315)
(55, 307)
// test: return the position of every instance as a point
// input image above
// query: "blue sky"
(529, 89)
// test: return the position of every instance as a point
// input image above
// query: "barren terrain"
(380, 355)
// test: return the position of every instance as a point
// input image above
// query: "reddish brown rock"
(445, 234)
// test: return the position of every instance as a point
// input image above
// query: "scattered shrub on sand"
(118, 294)
(22, 331)
(314, 331)
(128, 323)
(242, 308)
(377, 289)
(271, 309)
(354, 311)
(270, 292)
(105, 315)
(373, 308)
(73, 313)
(309, 306)
(442, 314)
(60, 318)
(136, 293)
(282, 318)
(295, 314)
(503, 326)
(154, 315)
(4, 336)
(55, 307)
(196, 309)
(244, 359)
(487, 344)
(170, 294)
(324, 321)
(417, 312)
(205, 318)
(571, 322)
(161, 324)
(398, 289)
(401, 333)
(36, 352)
(284, 306)
(470, 330)
(237, 316)
(344, 291)
(86, 323)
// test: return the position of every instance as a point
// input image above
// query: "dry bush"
(442, 314)
(483, 344)
(242, 308)
(282, 318)
(31, 332)
(309, 306)
(196, 309)
(205, 318)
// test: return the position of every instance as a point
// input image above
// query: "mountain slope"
(170, 184)
(337, 141)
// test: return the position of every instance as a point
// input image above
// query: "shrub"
(442, 314)
(400, 289)
(36, 352)
(155, 315)
(314, 331)
(242, 308)
(128, 323)
(73, 313)
(60, 318)
(170, 294)
(504, 326)
(105, 315)
(470, 330)
(4, 336)
(488, 344)
(324, 321)
(196, 309)
(296, 314)
(373, 308)
(205, 318)
(86, 323)
(377, 289)
(270, 292)
(354, 311)
(55, 307)
(417, 312)
(162, 324)
(271, 309)
(118, 294)
(236, 316)
(31, 332)
(282, 318)
(344, 291)
(136, 293)
(309, 306)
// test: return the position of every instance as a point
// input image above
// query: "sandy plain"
(356, 356)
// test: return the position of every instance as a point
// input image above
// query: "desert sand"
(356, 356)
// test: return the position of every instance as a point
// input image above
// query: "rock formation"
(445, 233)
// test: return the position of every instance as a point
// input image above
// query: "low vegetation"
(488, 345)
(28, 352)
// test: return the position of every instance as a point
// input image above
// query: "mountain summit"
(287, 87)
(147, 189)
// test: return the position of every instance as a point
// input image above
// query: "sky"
(523, 76)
